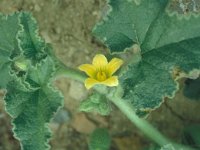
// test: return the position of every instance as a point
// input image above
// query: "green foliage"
(192, 89)
(191, 136)
(127, 23)
(32, 107)
(26, 72)
(165, 147)
(33, 46)
(97, 103)
(168, 147)
(146, 83)
(168, 44)
(152, 147)
(100, 140)
(8, 45)
(148, 24)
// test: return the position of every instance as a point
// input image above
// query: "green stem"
(71, 73)
(142, 124)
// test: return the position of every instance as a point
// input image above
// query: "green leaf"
(8, 33)
(192, 89)
(152, 147)
(32, 104)
(191, 136)
(168, 147)
(149, 25)
(32, 45)
(97, 103)
(8, 45)
(18, 33)
(30, 99)
(100, 140)
(168, 43)
(149, 80)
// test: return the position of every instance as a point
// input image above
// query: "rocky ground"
(67, 24)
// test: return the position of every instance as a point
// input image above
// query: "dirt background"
(67, 24)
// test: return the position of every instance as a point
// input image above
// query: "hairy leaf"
(100, 140)
(30, 99)
(168, 42)
(191, 136)
(149, 25)
(192, 89)
(97, 103)
(32, 103)
(151, 79)
(32, 45)
(168, 147)
(18, 33)
(8, 45)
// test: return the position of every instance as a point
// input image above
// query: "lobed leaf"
(19, 34)
(32, 45)
(26, 72)
(32, 106)
(97, 103)
(151, 79)
(148, 24)
(8, 45)
(169, 45)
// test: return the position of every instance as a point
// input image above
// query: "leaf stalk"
(150, 131)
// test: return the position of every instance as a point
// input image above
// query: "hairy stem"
(68, 72)
(150, 131)
(142, 124)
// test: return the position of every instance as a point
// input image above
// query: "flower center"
(101, 76)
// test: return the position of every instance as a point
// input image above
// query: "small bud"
(21, 64)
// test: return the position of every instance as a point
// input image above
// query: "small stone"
(77, 91)
(46, 37)
(82, 124)
(54, 127)
(2, 115)
(58, 30)
(95, 13)
(37, 8)
(62, 116)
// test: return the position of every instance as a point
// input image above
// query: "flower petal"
(89, 82)
(114, 65)
(88, 69)
(112, 81)
(99, 61)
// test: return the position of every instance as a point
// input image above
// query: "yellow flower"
(101, 72)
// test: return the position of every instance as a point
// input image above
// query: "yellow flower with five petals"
(101, 71)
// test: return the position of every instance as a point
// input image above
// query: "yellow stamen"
(101, 76)
(101, 72)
